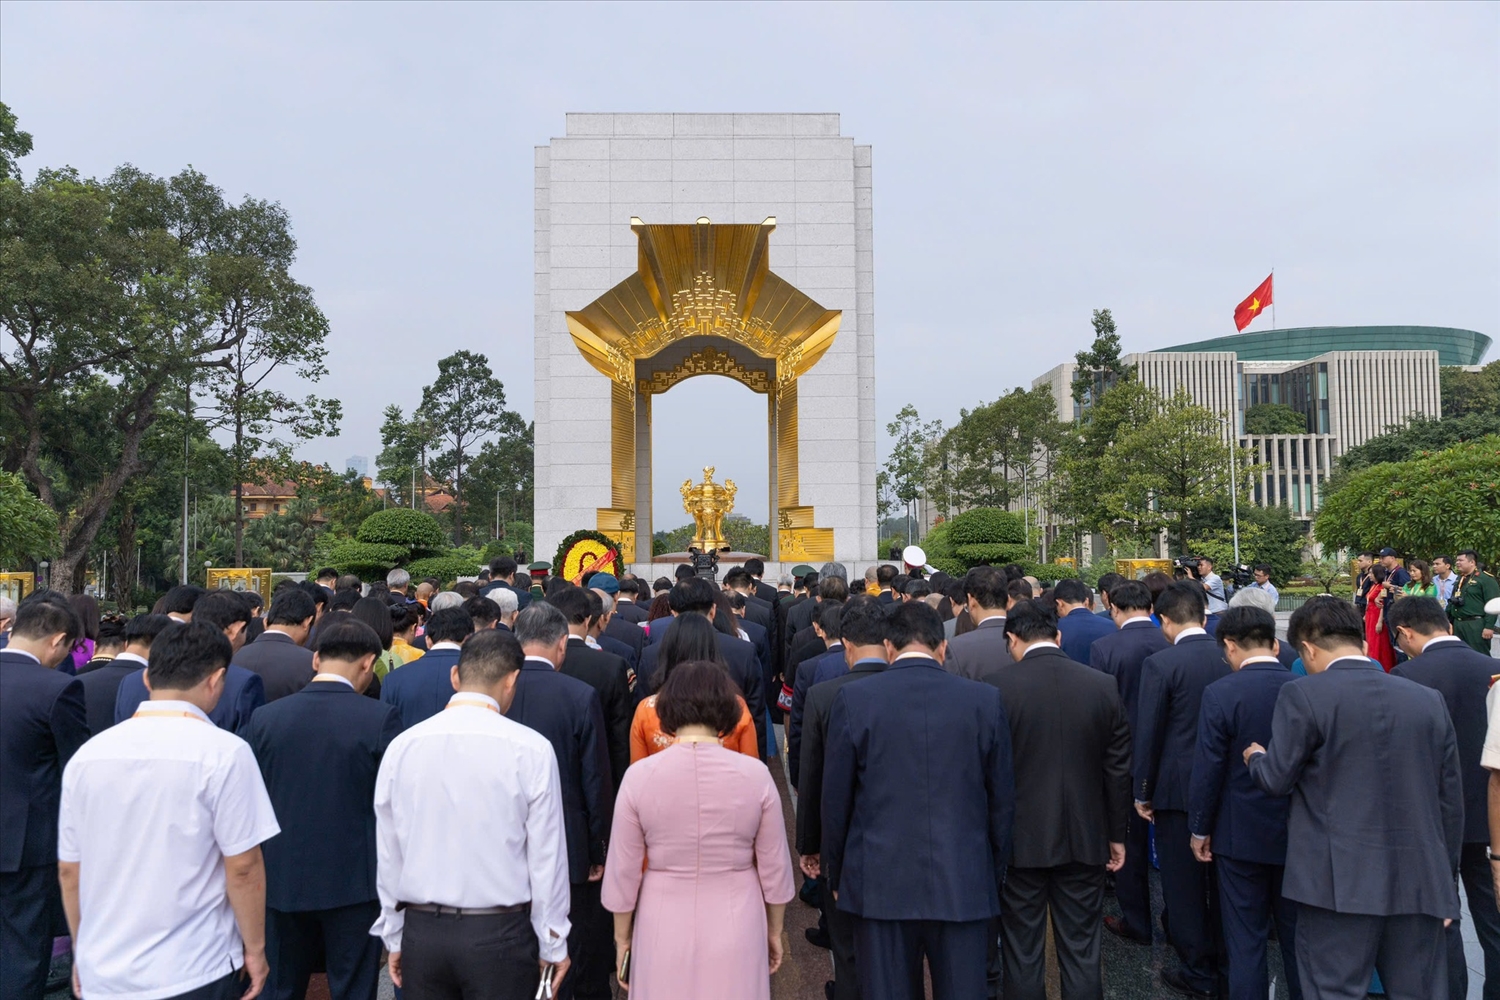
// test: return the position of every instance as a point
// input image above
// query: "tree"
(1274, 418)
(1269, 535)
(286, 541)
(14, 144)
(466, 405)
(1437, 502)
(28, 527)
(1401, 444)
(505, 469)
(1099, 367)
(906, 465)
(1467, 393)
(986, 458)
(1327, 569)
(402, 462)
(1081, 478)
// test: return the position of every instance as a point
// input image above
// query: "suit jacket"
(631, 612)
(799, 617)
(609, 676)
(765, 592)
(319, 751)
(1166, 732)
(1121, 654)
(1377, 819)
(980, 652)
(739, 656)
(421, 689)
(631, 636)
(814, 742)
(283, 666)
(566, 711)
(624, 652)
(244, 692)
(1080, 628)
(1223, 800)
(1462, 676)
(101, 686)
(42, 724)
(918, 795)
(1071, 747)
(806, 670)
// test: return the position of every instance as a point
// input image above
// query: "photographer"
(1213, 587)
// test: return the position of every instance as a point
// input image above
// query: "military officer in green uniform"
(1475, 588)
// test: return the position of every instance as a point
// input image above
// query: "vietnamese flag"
(1246, 311)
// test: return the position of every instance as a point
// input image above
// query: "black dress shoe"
(1176, 980)
(818, 938)
(1117, 927)
(828, 989)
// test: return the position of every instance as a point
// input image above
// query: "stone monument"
(670, 246)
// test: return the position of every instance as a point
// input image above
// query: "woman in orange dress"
(692, 638)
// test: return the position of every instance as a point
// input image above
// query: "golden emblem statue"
(709, 503)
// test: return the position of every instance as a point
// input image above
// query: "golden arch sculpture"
(703, 301)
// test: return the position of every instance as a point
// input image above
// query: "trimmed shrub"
(368, 560)
(447, 567)
(987, 526)
(417, 533)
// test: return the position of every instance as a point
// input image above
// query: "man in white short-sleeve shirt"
(159, 838)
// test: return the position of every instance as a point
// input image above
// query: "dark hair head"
(1367, 554)
(736, 600)
(1417, 567)
(44, 613)
(489, 657)
(347, 638)
(913, 622)
(1071, 591)
(1248, 626)
(1157, 582)
(540, 624)
(484, 610)
(885, 573)
(1183, 604)
(344, 600)
(661, 585)
(738, 577)
(1107, 584)
(87, 610)
(143, 629)
(221, 609)
(555, 585)
(691, 637)
(181, 599)
(1445, 558)
(1031, 621)
(829, 618)
(862, 621)
(1130, 595)
(404, 616)
(573, 602)
(833, 588)
(291, 606)
(810, 580)
(661, 607)
(1378, 573)
(631, 588)
(1262, 568)
(724, 617)
(684, 572)
(692, 594)
(755, 567)
(253, 599)
(449, 625)
(111, 629)
(183, 655)
(1423, 615)
(316, 591)
(466, 589)
(501, 567)
(698, 693)
(917, 589)
(348, 581)
(377, 615)
(326, 573)
(1327, 622)
(1019, 590)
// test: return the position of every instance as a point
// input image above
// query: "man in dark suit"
(1076, 621)
(279, 655)
(764, 591)
(101, 686)
(503, 576)
(1235, 825)
(1377, 819)
(605, 672)
(628, 606)
(1120, 654)
(862, 622)
(1166, 740)
(566, 710)
(799, 617)
(975, 653)
(885, 576)
(695, 596)
(421, 689)
(1071, 748)
(42, 724)
(829, 630)
(319, 751)
(244, 691)
(1442, 661)
(918, 800)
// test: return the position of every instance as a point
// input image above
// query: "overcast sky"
(1031, 163)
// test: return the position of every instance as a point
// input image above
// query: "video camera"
(1242, 576)
(1186, 566)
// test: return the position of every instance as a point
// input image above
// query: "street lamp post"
(46, 580)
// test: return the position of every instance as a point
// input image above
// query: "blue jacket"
(1166, 731)
(42, 724)
(1246, 823)
(1080, 628)
(805, 680)
(244, 692)
(319, 751)
(918, 795)
(421, 689)
(1121, 654)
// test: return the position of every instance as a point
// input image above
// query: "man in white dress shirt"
(472, 864)
(159, 839)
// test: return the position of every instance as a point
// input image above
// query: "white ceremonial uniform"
(468, 813)
(150, 810)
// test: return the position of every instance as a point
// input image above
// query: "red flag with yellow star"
(1246, 311)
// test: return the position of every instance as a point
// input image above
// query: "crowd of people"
(543, 787)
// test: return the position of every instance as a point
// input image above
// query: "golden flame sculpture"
(709, 503)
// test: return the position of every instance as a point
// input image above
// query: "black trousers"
(340, 937)
(230, 987)
(29, 900)
(841, 940)
(446, 957)
(1190, 890)
(889, 955)
(591, 946)
(1249, 901)
(1074, 896)
(1474, 870)
(1336, 952)
(1133, 881)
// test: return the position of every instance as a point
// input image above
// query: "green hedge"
(994, 553)
(367, 560)
(987, 526)
(417, 533)
(447, 567)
